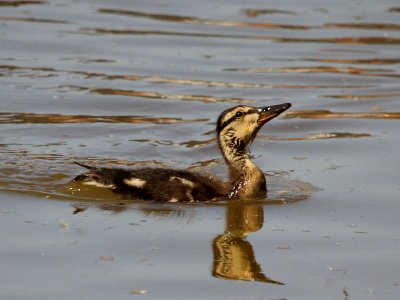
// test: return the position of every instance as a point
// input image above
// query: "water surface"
(141, 84)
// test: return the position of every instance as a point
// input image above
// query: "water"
(141, 84)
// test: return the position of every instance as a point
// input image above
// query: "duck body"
(236, 128)
(157, 184)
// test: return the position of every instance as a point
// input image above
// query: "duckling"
(236, 129)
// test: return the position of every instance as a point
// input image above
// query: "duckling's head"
(238, 126)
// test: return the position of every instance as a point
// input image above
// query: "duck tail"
(85, 176)
(99, 177)
(85, 166)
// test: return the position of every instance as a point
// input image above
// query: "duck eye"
(239, 114)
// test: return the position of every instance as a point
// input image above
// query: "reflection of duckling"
(236, 129)
(234, 257)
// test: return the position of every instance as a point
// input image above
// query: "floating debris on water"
(336, 269)
(283, 247)
(63, 225)
(299, 158)
(107, 258)
(276, 228)
(138, 292)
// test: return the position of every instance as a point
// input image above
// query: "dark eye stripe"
(231, 119)
(226, 123)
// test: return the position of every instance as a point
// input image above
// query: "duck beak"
(268, 113)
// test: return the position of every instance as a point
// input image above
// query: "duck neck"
(239, 162)
(246, 178)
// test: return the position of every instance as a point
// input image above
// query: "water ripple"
(371, 61)
(34, 20)
(317, 69)
(327, 114)
(318, 136)
(194, 20)
(368, 26)
(308, 137)
(16, 3)
(178, 81)
(253, 13)
(362, 40)
(32, 118)
(357, 97)
(394, 9)
(157, 95)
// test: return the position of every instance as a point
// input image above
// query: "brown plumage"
(236, 129)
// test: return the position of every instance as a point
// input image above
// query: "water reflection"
(362, 40)
(234, 257)
(372, 61)
(326, 114)
(368, 40)
(375, 26)
(37, 72)
(195, 20)
(253, 13)
(317, 136)
(32, 118)
(158, 96)
(20, 3)
(316, 69)
(34, 20)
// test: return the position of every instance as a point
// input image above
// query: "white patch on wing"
(189, 195)
(97, 184)
(184, 181)
(135, 182)
(173, 199)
